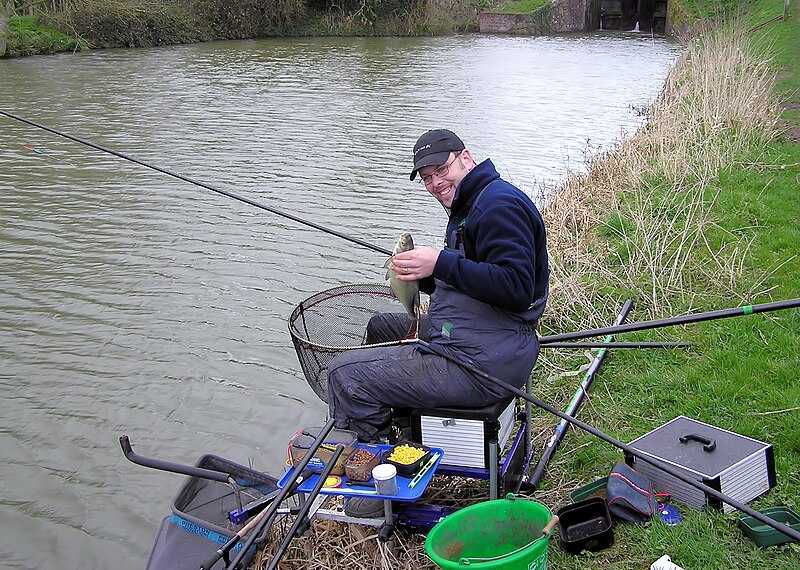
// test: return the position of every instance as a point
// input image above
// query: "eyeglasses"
(439, 172)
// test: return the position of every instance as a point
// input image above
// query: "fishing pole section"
(199, 183)
(783, 528)
(263, 510)
(313, 365)
(575, 404)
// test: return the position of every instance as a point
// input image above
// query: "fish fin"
(417, 313)
(387, 265)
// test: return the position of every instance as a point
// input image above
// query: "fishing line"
(777, 525)
(645, 325)
(202, 185)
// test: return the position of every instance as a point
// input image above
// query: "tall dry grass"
(654, 194)
(638, 220)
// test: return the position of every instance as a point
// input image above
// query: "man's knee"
(388, 327)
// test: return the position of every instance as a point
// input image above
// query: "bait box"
(586, 525)
(764, 535)
(408, 469)
(362, 472)
(465, 434)
(735, 465)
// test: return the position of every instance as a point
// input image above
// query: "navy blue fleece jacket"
(505, 252)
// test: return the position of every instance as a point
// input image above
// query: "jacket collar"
(471, 185)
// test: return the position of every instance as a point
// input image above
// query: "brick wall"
(535, 23)
(570, 15)
(558, 16)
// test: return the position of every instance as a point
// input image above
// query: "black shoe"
(364, 508)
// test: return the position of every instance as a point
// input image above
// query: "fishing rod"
(301, 516)
(685, 319)
(265, 522)
(576, 403)
(673, 321)
(772, 523)
(266, 517)
(202, 184)
(605, 345)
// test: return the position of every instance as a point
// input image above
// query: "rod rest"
(191, 470)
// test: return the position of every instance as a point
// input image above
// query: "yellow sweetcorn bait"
(406, 454)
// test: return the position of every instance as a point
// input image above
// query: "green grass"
(520, 6)
(742, 374)
(709, 9)
(28, 36)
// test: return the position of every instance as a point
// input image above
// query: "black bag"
(630, 494)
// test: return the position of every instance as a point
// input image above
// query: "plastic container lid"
(384, 472)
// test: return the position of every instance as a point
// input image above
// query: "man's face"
(441, 181)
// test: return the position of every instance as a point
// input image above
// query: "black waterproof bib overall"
(365, 384)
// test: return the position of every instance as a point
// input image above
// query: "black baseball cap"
(433, 148)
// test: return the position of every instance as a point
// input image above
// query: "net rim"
(340, 290)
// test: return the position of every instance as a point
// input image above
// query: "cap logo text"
(416, 152)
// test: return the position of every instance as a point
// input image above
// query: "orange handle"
(549, 526)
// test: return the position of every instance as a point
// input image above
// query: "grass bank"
(27, 35)
(699, 210)
(519, 6)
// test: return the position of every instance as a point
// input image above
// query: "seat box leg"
(494, 479)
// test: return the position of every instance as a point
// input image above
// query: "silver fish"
(407, 292)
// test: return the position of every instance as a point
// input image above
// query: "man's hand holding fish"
(415, 264)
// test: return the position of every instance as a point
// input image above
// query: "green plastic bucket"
(506, 534)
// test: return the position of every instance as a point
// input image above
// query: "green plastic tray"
(593, 489)
(764, 535)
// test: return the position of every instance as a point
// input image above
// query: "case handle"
(709, 445)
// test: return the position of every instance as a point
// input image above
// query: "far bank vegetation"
(79, 24)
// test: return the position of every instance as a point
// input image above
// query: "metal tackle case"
(464, 434)
(738, 466)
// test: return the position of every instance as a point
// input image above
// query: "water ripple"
(134, 303)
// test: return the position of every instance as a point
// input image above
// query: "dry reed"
(638, 220)
(653, 195)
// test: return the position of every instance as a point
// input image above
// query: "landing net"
(334, 321)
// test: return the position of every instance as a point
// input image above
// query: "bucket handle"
(545, 534)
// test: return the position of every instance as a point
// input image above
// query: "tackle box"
(465, 434)
(302, 441)
(735, 465)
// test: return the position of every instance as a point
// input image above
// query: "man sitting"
(488, 288)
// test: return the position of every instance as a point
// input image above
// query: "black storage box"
(738, 466)
(302, 441)
(586, 525)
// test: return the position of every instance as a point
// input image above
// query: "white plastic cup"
(664, 563)
(385, 476)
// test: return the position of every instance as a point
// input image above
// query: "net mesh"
(334, 321)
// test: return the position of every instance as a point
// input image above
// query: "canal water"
(132, 303)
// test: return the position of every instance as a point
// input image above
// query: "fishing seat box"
(735, 465)
(466, 435)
